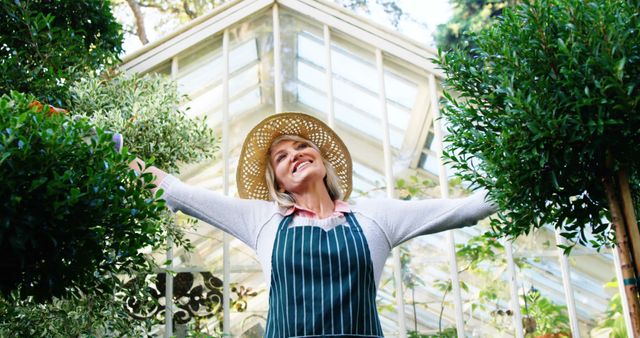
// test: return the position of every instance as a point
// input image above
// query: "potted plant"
(542, 318)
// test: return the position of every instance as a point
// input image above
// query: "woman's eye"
(302, 145)
(279, 158)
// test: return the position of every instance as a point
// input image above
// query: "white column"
(168, 291)
(386, 144)
(621, 291)
(568, 291)
(513, 283)
(277, 64)
(168, 277)
(329, 76)
(444, 192)
(226, 254)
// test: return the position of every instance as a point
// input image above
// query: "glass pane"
(312, 98)
(426, 286)
(594, 287)
(311, 76)
(244, 80)
(367, 181)
(205, 102)
(243, 54)
(310, 48)
(358, 120)
(399, 89)
(429, 163)
(352, 67)
(199, 66)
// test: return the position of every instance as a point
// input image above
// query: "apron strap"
(351, 219)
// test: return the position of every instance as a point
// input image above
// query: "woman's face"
(296, 165)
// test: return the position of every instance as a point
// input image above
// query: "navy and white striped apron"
(322, 283)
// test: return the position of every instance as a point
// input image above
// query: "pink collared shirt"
(339, 209)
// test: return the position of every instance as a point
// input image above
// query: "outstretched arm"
(403, 220)
(240, 218)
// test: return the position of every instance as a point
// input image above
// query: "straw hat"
(250, 176)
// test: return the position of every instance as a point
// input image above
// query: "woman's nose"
(294, 155)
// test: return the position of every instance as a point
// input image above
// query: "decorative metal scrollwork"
(196, 295)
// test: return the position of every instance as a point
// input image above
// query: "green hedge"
(71, 211)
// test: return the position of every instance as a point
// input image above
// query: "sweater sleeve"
(403, 220)
(239, 217)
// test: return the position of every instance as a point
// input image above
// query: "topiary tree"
(71, 211)
(47, 45)
(547, 120)
(145, 110)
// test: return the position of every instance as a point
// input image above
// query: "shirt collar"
(339, 208)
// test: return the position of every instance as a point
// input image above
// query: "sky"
(426, 14)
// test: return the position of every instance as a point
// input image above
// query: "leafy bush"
(78, 314)
(145, 110)
(550, 93)
(46, 45)
(542, 316)
(613, 322)
(71, 211)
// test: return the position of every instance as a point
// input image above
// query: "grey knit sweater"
(385, 222)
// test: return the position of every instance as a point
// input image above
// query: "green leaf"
(619, 68)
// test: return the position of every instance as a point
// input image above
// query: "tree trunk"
(630, 287)
(630, 218)
(137, 13)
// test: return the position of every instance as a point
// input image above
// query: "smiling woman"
(321, 256)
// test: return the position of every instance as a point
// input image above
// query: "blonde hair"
(286, 200)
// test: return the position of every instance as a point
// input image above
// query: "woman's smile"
(296, 165)
(300, 165)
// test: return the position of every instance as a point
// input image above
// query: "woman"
(322, 258)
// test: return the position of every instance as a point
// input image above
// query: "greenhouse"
(93, 251)
(380, 92)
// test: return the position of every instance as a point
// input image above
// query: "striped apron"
(322, 283)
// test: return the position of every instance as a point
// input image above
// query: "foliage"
(170, 14)
(144, 110)
(413, 187)
(46, 45)
(552, 92)
(391, 8)
(78, 314)
(476, 250)
(472, 253)
(614, 320)
(547, 316)
(469, 17)
(449, 332)
(72, 211)
(180, 10)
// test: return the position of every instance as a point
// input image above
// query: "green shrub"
(550, 92)
(71, 211)
(47, 45)
(145, 110)
(77, 314)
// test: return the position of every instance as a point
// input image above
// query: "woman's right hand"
(139, 166)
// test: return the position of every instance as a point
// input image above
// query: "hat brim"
(250, 177)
